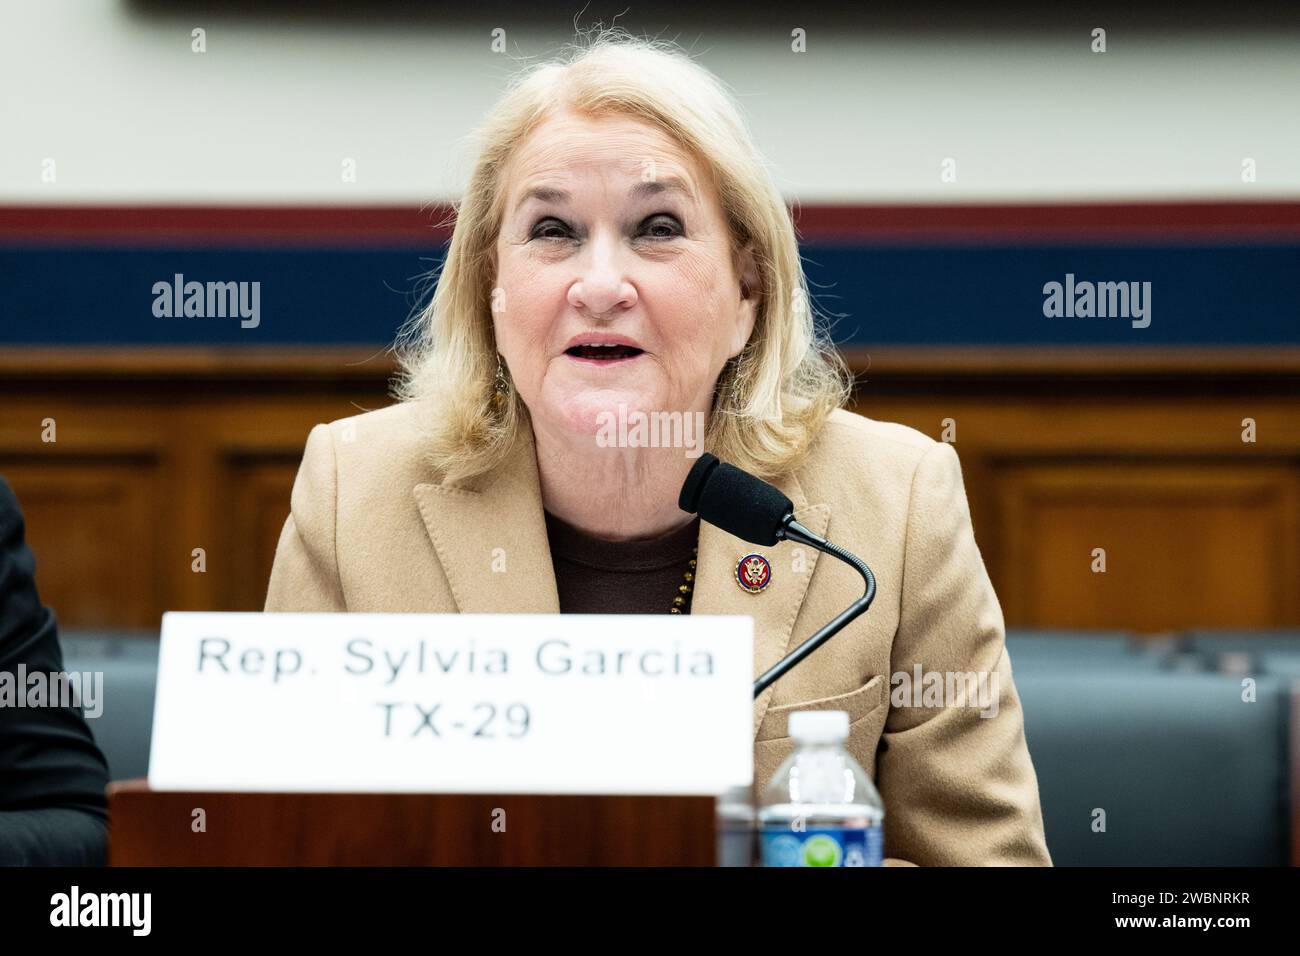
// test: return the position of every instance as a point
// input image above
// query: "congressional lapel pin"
(753, 573)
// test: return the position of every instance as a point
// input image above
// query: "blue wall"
(1233, 293)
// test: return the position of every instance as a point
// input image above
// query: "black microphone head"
(736, 501)
(689, 499)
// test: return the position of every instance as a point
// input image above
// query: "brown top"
(595, 576)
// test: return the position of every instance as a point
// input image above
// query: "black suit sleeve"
(52, 775)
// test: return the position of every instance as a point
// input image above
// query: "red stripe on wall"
(1154, 222)
(431, 226)
(225, 225)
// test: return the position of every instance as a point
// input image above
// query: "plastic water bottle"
(821, 808)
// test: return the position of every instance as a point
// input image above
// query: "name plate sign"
(463, 703)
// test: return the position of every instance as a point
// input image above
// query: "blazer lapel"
(490, 535)
(773, 609)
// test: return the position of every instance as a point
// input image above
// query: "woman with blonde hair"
(622, 255)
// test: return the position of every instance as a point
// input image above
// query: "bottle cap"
(819, 726)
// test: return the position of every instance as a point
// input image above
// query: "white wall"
(269, 112)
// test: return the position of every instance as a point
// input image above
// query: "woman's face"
(611, 233)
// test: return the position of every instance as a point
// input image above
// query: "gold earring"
(501, 387)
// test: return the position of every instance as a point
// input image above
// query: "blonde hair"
(770, 402)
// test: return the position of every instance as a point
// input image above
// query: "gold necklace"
(683, 599)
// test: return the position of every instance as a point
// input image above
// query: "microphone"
(749, 508)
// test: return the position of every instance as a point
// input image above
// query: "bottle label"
(823, 846)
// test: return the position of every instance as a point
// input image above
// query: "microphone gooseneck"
(749, 508)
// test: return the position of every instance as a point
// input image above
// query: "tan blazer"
(369, 530)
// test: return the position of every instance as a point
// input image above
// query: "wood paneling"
(162, 452)
(1141, 454)
(258, 491)
(158, 454)
(94, 529)
(1183, 545)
